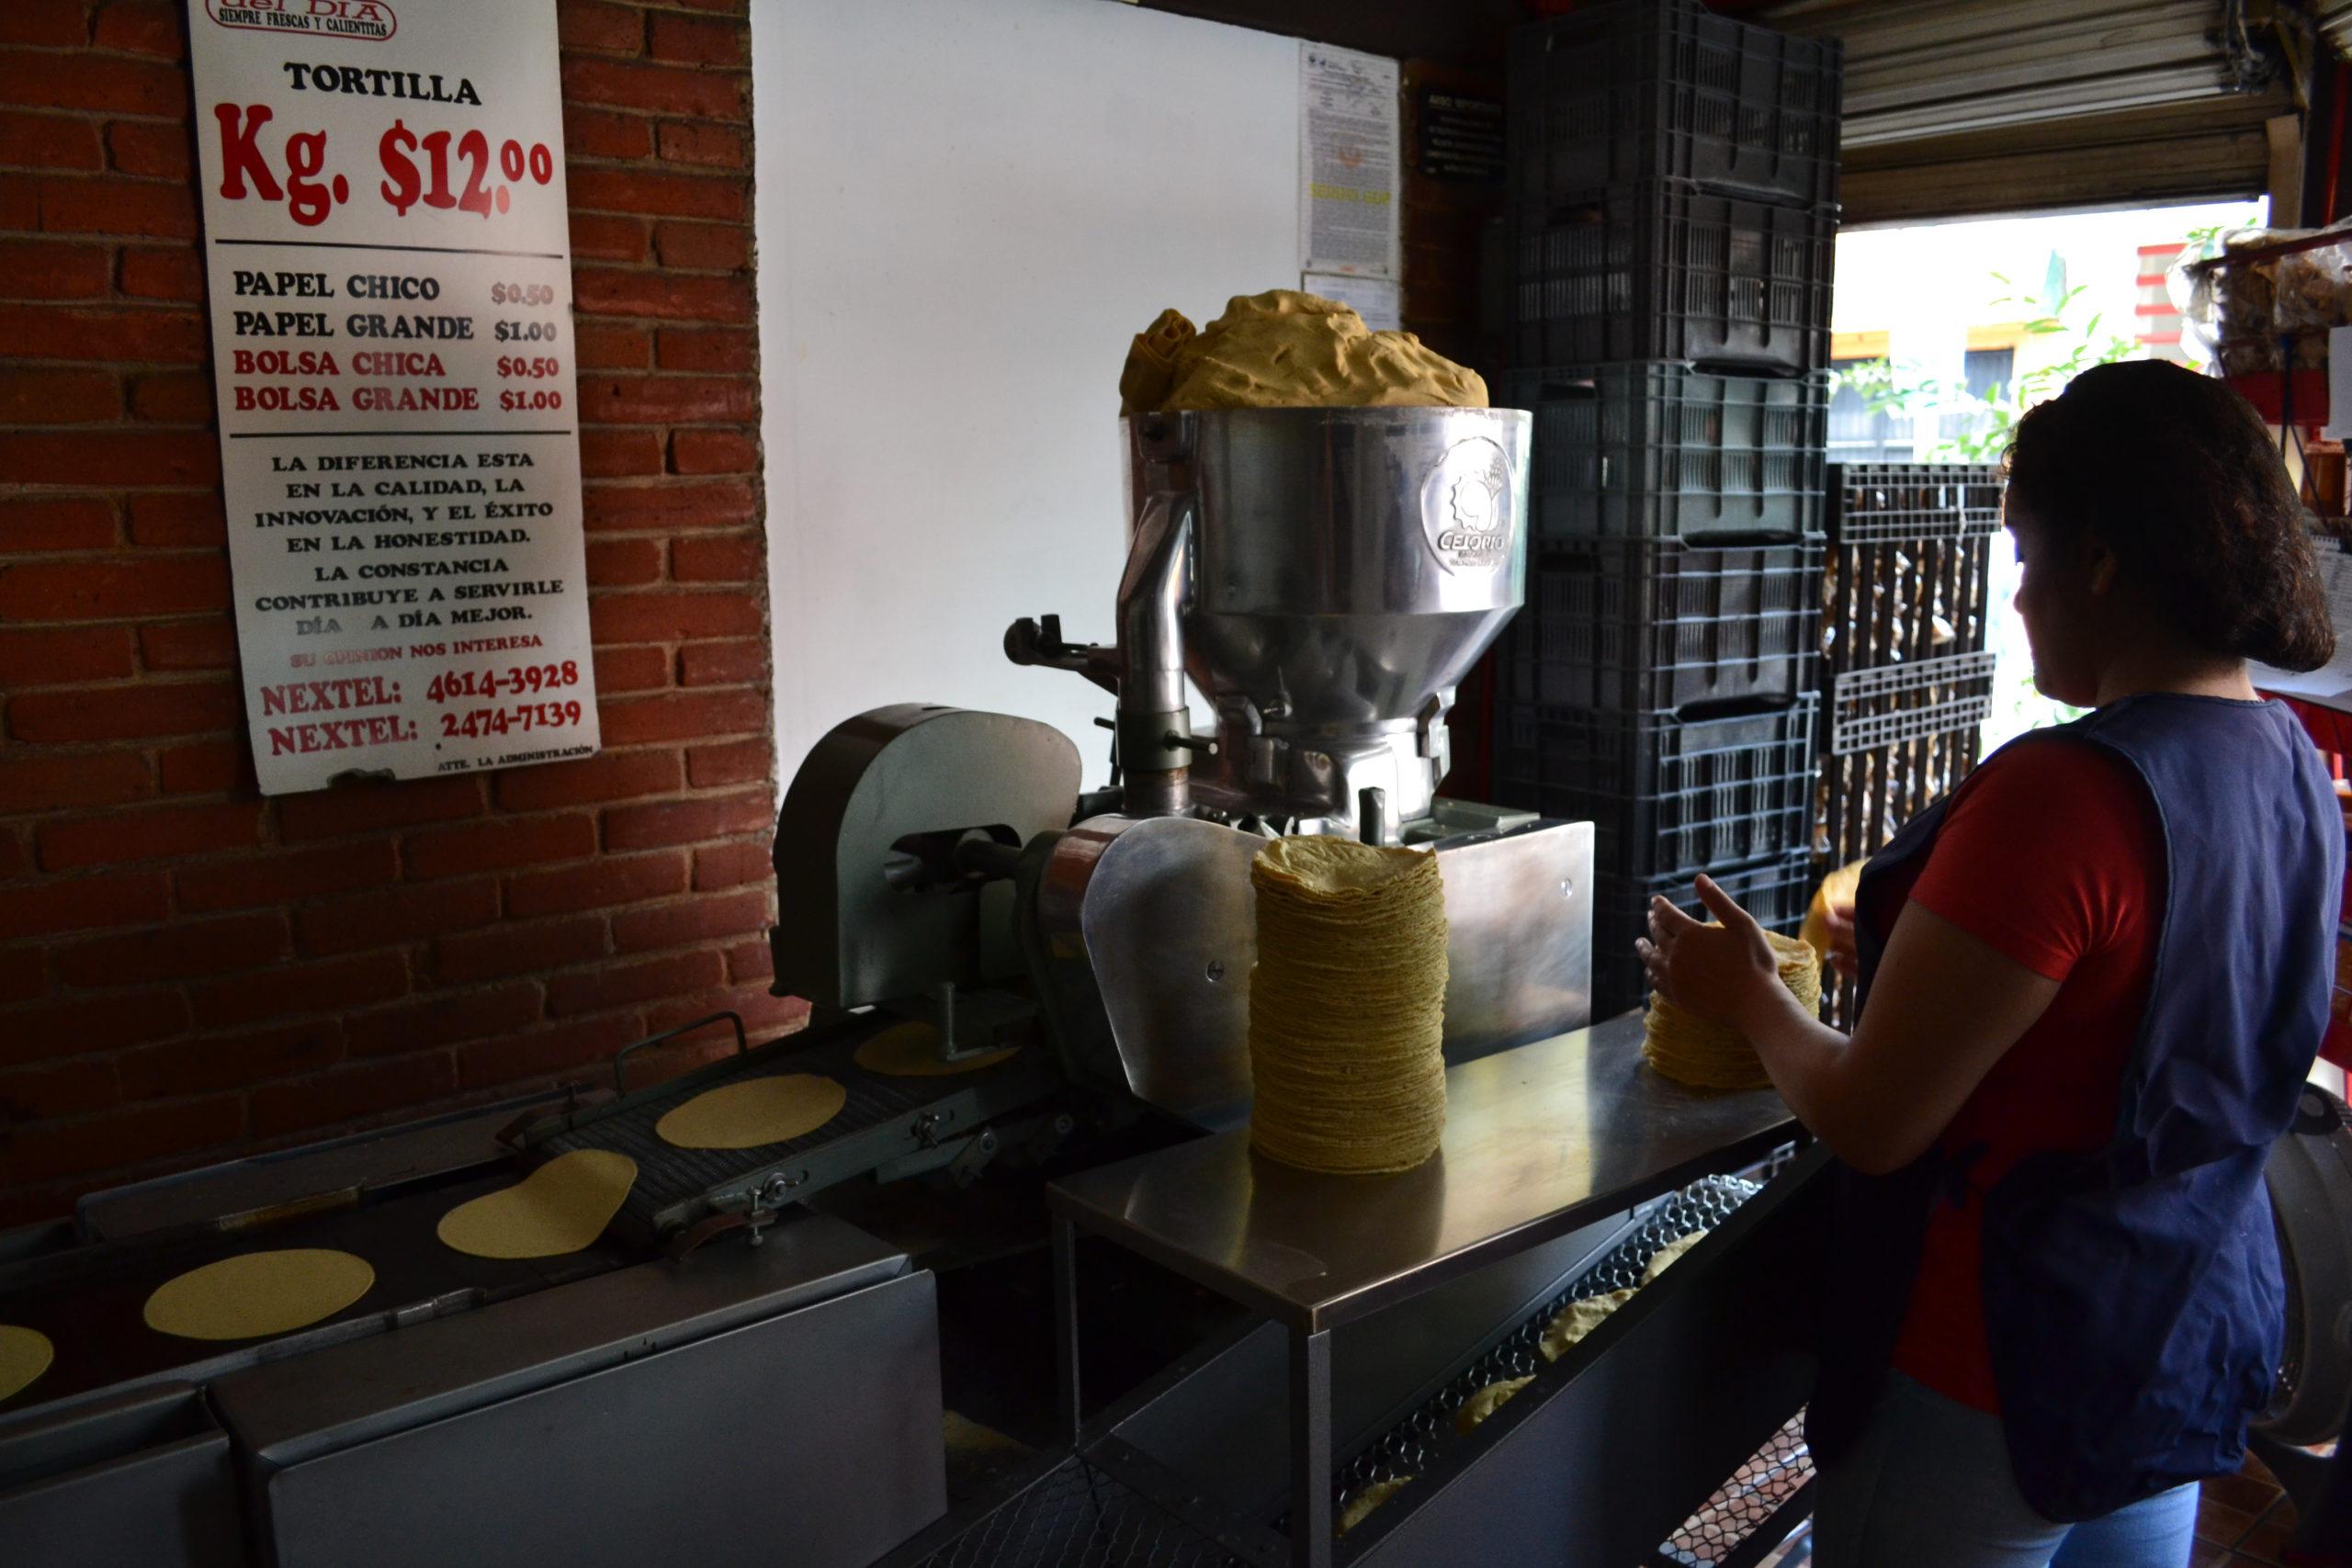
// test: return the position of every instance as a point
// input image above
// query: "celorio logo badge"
(1467, 506)
(360, 19)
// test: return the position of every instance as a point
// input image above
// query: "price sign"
(389, 260)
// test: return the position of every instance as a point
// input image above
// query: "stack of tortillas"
(1347, 1006)
(1690, 1050)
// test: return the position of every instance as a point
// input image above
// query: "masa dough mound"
(755, 1111)
(1288, 349)
(558, 1209)
(1578, 1319)
(1662, 1259)
(258, 1293)
(911, 1051)
(1487, 1401)
(25, 1354)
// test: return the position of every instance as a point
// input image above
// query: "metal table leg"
(1066, 1390)
(1310, 1450)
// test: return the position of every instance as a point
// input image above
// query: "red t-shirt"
(2052, 854)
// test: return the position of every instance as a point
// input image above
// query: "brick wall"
(189, 971)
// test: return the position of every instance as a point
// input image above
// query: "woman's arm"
(1944, 1007)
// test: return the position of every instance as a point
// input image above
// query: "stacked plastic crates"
(1673, 213)
(1906, 669)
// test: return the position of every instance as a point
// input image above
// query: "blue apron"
(2132, 1295)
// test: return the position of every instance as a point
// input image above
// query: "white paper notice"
(391, 275)
(1347, 162)
(2339, 384)
(1378, 301)
(2330, 685)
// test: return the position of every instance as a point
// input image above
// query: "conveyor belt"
(1079, 1515)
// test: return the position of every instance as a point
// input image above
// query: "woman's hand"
(1842, 956)
(1719, 971)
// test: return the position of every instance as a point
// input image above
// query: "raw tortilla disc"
(258, 1293)
(25, 1354)
(911, 1051)
(757, 1110)
(1360, 1506)
(1486, 1402)
(1578, 1319)
(1664, 1257)
(559, 1208)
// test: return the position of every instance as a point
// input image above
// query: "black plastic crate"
(1890, 502)
(1905, 602)
(1890, 704)
(1775, 891)
(1663, 271)
(1664, 794)
(1645, 91)
(1655, 626)
(1659, 451)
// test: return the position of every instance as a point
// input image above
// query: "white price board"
(1347, 162)
(389, 268)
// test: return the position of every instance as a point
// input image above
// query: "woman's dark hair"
(2177, 474)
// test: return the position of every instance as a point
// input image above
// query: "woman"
(2094, 979)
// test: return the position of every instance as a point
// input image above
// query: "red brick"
(289, 874)
(656, 195)
(56, 523)
(189, 517)
(57, 1088)
(666, 508)
(190, 645)
(600, 237)
(442, 1020)
(126, 835)
(600, 133)
(686, 821)
(730, 865)
(623, 563)
(49, 141)
(67, 1147)
(546, 1052)
(608, 291)
(706, 247)
(696, 920)
(658, 89)
(207, 767)
(665, 400)
(612, 345)
(126, 334)
(51, 656)
(81, 1026)
(20, 202)
(741, 761)
(710, 146)
(38, 784)
(85, 81)
(736, 558)
(175, 397)
(518, 948)
(348, 1093)
(142, 147)
(30, 395)
(112, 590)
(286, 990)
(619, 454)
(147, 209)
(714, 452)
(636, 668)
(122, 712)
(173, 273)
(46, 269)
(683, 717)
(741, 663)
(699, 41)
(48, 26)
(372, 807)
(178, 950)
(672, 618)
(614, 775)
(750, 963)
(70, 458)
(391, 915)
(232, 1061)
(713, 350)
(83, 904)
(586, 24)
(496, 845)
(612, 986)
(135, 28)
(764, 1015)
(599, 885)
(14, 860)
(23, 975)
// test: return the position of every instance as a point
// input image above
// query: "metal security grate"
(1078, 1515)
(1719, 1533)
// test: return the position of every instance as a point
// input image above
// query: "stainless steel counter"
(1538, 1139)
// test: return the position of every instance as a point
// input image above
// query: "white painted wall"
(966, 211)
